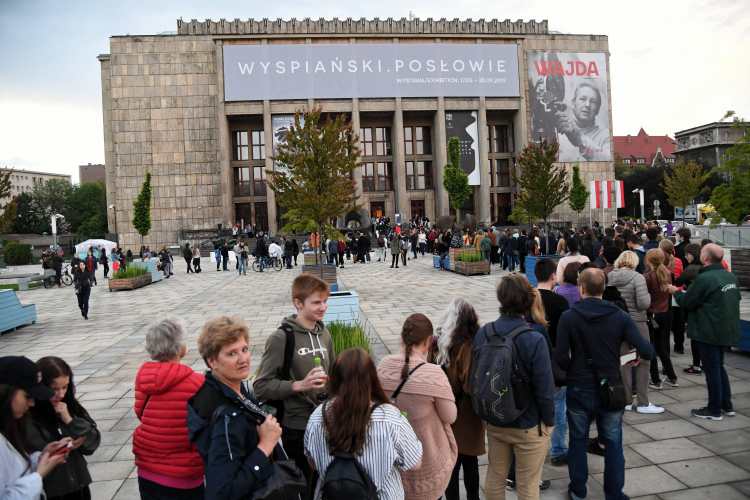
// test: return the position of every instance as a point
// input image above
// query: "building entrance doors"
(377, 209)
(417, 208)
(261, 215)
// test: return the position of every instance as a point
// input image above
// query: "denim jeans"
(717, 382)
(443, 256)
(487, 256)
(382, 253)
(422, 247)
(288, 259)
(582, 406)
(511, 261)
(561, 424)
(243, 266)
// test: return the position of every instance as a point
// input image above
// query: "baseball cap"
(21, 372)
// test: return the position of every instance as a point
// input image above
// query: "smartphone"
(87, 433)
(627, 358)
(62, 449)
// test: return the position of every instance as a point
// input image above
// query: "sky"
(674, 64)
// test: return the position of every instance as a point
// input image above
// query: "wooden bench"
(12, 313)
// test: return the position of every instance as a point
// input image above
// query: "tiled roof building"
(644, 149)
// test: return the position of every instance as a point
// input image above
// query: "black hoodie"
(606, 326)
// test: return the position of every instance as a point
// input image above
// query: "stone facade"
(164, 110)
(91, 173)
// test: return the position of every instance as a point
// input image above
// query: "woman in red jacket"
(169, 466)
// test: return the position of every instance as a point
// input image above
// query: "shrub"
(130, 272)
(346, 335)
(18, 254)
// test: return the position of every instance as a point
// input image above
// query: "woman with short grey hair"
(162, 389)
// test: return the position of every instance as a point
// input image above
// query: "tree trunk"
(320, 248)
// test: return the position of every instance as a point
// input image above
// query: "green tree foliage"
(732, 201)
(88, 210)
(578, 193)
(543, 182)
(455, 181)
(685, 183)
(9, 209)
(142, 208)
(313, 180)
(53, 197)
(27, 220)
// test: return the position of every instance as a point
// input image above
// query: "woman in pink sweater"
(425, 395)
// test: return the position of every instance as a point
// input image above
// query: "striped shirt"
(391, 445)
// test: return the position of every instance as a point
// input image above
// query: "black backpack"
(345, 478)
(285, 372)
(530, 246)
(498, 394)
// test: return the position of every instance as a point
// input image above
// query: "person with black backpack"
(358, 441)
(514, 392)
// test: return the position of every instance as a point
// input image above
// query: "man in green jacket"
(713, 301)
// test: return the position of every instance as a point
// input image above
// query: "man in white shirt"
(274, 250)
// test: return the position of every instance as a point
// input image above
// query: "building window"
(424, 146)
(377, 176)
(365, 139)
(242, 181)
(503, 173)
(422, 178)
(640, 161)
(368, 176)
(385, 176)
(33, 179)
(670, 160)
(626, 161)
(259, 144)
(409, 140)
(259, 181)
(499, 139)
(383, 141)
(239, 146)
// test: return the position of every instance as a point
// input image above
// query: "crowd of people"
(582, 346)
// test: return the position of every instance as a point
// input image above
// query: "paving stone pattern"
(670, 456)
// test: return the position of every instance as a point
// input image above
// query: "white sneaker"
(629, 407)
(650, 409)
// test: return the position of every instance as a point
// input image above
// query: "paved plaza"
(669, 456)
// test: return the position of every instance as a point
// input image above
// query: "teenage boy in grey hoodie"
(311, 340)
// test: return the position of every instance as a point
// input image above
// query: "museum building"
(204, 107)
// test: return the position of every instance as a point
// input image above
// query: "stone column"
(271, 196)
(441, 158)
(399, 167)
(227, 179)
(357, 173)
(484, 182)
(520, 129)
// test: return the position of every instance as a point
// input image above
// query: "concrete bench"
(23, 283)
(12, 313)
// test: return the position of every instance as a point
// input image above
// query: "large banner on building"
(463, 124)
(568, 100)
(302, 71)
(279, 128)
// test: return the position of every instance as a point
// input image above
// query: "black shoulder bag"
(611, 390)
(401, 385)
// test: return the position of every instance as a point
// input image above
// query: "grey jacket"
(632, 286)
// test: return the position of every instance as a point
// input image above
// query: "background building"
(90, 173)
(202, 109)
(23, 180)
(643, 149)
(707, 144)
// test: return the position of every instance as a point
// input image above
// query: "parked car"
(679, 223)
(659, 222)
(722, 223)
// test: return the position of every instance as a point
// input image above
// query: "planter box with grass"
(470, 262)
(129, 279)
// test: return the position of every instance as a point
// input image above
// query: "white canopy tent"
(84, 246)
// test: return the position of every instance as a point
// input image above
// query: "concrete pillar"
(399, 167)
(519, 129)
(357, 173)
(227, 179)
(484, 182)
(441, 158)
(271, 198)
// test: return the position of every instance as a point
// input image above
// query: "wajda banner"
(303, 71)
(568, 100)
(463, 124)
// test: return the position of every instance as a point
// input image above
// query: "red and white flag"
(620, 194)
(595, 201)
(607, 194)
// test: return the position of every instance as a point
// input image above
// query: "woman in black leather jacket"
(82, 281)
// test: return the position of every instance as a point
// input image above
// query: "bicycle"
(271, 262)
(65, 278)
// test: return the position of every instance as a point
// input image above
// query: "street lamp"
(643, 209)
(115, 217)
(54, 218)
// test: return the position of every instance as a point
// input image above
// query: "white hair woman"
(458, 326)
(169, 465)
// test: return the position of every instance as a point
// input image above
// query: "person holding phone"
(63, 417)
(22, 469)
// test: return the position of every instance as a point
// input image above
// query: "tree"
(542, 182)
(27, 220)
(313, 174)
(732, 202)
(52, 197)
(9, 209)
(142, 208)
(88, 210)
(455, 181)
(578, 194)
(685, 184)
